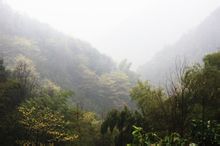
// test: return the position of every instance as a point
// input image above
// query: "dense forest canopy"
(37, 111)
(69, 62)
(58, 90)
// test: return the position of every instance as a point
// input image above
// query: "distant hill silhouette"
(191, 48)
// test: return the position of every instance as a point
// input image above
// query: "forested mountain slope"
(190, 48)
(75, 65)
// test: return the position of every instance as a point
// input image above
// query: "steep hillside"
(190, 48)
(71, 63)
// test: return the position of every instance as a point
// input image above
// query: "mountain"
(73, 64)
(190, 48)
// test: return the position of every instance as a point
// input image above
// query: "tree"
(88, 129)
(125, 67)
(45, 118)
(150, 101)
(180, 98)
(191, 94)
(205, 84)
(3, 73)
(25, 73)
(10, 98)
(121, 123)
(115, 87)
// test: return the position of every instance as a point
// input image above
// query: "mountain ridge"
(71, 63)
(192, 46)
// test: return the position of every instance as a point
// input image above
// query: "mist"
(109, 73)
(122, 29)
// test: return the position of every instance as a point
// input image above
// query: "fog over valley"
(122, 29)
(109, 73)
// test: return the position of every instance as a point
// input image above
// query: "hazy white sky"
(132, 29)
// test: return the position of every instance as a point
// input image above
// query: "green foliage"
(150, 101)
(115, 86)
(10, 98)
(25, 73)
(3, 72)
(43, 118)
(174, 139)
(120, 123)
(141, 138)
(88, 128)
(42, 115)
(37, 111)
(204, 85)
(205, 133)
(147, 97)
(212, 60)
(202, 133)
(194, 96)
(69, 62)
